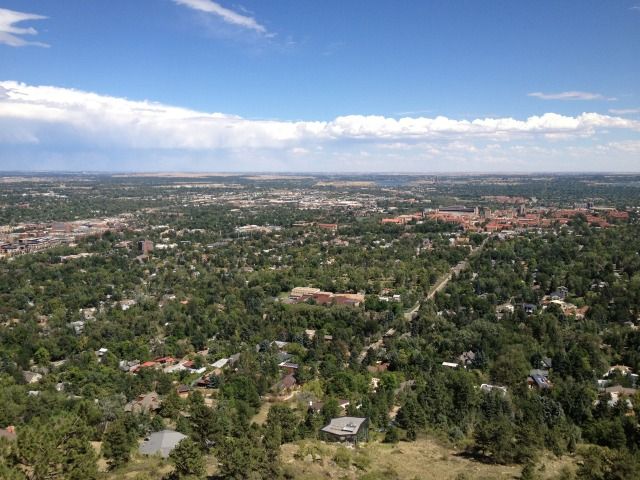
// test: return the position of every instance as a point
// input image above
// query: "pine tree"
(57, 449)
(188, 459)
(117, 444)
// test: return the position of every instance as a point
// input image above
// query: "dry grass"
(142, 468)
(423, 459)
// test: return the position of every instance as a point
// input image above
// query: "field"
(423, 459)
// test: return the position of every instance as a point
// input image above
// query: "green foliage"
(57, 448)
(601, 463)
(188, 460)
(117, 443)
(392, 435)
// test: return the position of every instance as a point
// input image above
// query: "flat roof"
(344, 426)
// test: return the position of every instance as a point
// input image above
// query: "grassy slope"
(423, 459)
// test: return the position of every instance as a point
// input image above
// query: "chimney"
(11, 429)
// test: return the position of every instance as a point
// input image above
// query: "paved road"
(455, 270)
(410, 314)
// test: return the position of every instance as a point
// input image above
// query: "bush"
(342, 457)
(391, 436)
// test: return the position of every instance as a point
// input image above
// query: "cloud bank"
(12, 35)
(49, 119)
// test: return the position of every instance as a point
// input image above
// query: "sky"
(325, 86)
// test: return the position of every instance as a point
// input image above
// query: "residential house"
(31, 377)
(220, 364)
(351, 430)
(146, 403)
(539, 379)
(559, 294)
(183, 391)
(289, 367)
(161, 443)
(286, 385)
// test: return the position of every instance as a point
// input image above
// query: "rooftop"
(344, 425)
(162, 442)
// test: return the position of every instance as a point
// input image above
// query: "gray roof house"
(346, 429)
(162, 443)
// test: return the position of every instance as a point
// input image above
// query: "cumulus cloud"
(225, 14)
(573, 95)
(47, 114)
(11, 35)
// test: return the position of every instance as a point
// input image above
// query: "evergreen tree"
(117, 444)
(188, 460)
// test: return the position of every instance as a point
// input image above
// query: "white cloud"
(624, 111)
(11, 35)
(50, 115)
(225, 14)
(573, 95)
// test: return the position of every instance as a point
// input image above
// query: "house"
(147, 364)
(178, 367)
(539, 381)
(149, 402)
(559, 294)
(449, 364)
(165, 360)
(529, 308)
(220, 364)
(505, 308)
(31, 377)
(546, 363)
(279, 345)
(622, 369)
(298, 292)
(287, 384)
(617, 393)
(289, 366)
(183, 390)
(161, 443)
(350, 430)
(314, 405)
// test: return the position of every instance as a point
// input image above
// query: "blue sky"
(313, 86)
